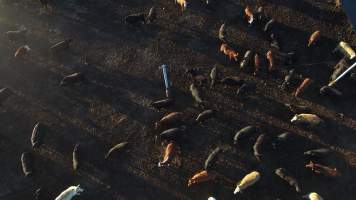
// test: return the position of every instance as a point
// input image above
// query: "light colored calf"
(70, 192)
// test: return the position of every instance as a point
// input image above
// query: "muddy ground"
(121, 64)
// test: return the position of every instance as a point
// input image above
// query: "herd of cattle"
(173, 125)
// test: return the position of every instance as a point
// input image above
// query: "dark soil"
(121, 63)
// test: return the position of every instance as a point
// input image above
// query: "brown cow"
(229, 52)
(324, 170)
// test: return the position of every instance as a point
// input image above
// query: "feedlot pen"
(121, 61)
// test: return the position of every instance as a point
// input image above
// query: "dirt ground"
(121, 64)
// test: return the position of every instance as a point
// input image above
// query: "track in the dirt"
(124, 78)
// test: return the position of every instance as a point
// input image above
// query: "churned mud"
(121, 61)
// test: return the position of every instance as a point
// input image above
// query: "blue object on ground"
(167, 82)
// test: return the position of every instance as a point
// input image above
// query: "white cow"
(70, 192)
